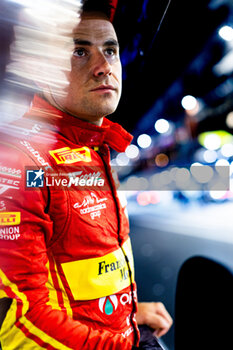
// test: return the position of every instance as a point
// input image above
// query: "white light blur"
(165, 177)
(194, 194)
(221, 167)
(132, 151)
(162, 126)
(144, 141)
(144, 183)
(227, 150)
(122, 159)
(113, 162)
(202, 173)
(231, 189)
(231, 168)
(143, 198)
(217, 195)
(212, 142)
(222, 162)
(148, 197)
(182, 178)
(21, 2)
(46, 11)
(132, 183)
(210, 156)
(42, 49)
(196, 164)
(226, 33)
(161, 180)
(12, 108)
(225, 65)
(229, 120)
(199, 154)
(189, 102)
(135, 183)
(29, 3)
(173, 172)
(155, 181)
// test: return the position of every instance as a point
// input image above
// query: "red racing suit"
(65, 253)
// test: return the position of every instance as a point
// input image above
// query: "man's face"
(95, 78)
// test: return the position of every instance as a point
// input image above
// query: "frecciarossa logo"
(66, 155)
(92, 278)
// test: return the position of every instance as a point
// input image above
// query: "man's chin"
(104, 110)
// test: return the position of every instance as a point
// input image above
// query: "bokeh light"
(132, 152)
(161, 160)
(212, 142)
(144, 141)
(162, 126)
(189, 102)
(226, 33)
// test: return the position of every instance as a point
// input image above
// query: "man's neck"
(50, 99)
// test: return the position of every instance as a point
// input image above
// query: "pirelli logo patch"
(10, 218)
(66, 155)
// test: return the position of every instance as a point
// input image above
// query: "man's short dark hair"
(103, 6)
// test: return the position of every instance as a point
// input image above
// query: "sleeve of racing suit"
(31, 323)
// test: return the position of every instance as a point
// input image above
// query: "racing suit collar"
(79, 131)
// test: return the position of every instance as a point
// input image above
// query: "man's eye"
(110, 51)
(79, 52)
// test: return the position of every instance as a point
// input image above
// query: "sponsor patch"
(91, 205)
(8, 184)
(10, 218)
(101, 276)
(35, 154)
(2, 206)
(4, 170)
(34, 130)
(66, 155)
(10, 233)
(108, 304)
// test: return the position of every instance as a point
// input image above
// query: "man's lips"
(104, 88)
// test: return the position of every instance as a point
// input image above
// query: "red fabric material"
(113, 3)
(77, 130)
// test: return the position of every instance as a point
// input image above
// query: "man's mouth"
(104, 88)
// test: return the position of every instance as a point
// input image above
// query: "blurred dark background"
(161, 67)
(191, 57)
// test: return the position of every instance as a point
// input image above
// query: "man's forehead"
(94, 27)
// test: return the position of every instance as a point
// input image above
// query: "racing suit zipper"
(136, 338)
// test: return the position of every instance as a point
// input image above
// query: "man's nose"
(102, 67)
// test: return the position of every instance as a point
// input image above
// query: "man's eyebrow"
(109, 42)
(82, 42)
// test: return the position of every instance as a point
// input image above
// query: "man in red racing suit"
(65, 255)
